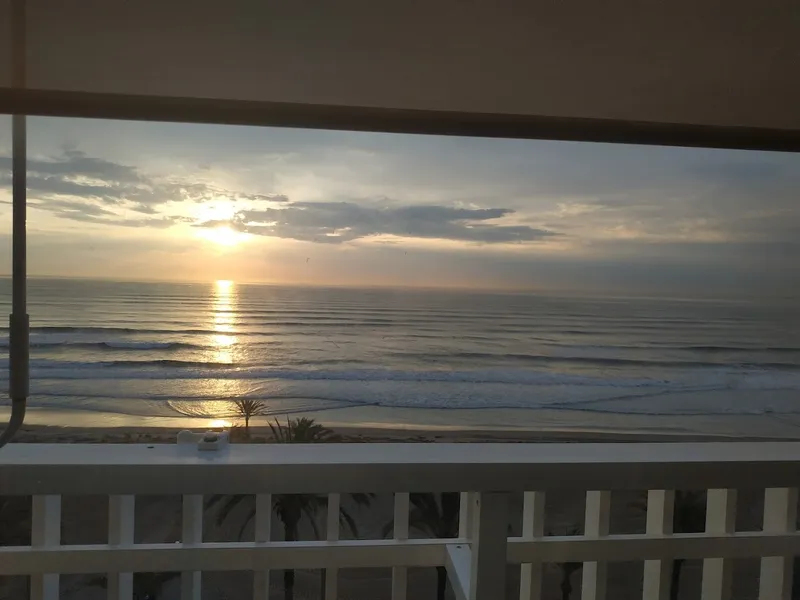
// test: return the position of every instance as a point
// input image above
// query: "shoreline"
(366, 434)
(432, 424)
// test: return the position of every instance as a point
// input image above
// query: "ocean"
(163, 351)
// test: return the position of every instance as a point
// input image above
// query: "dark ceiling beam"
(349, 118)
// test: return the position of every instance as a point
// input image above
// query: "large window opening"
(420, 282)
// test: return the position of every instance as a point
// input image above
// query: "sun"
(223, 236)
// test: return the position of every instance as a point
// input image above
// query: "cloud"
(79, 187)
(84, 212)
(337, 222)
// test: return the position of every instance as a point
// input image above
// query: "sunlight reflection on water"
(226, 349)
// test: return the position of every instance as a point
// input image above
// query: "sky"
(155, 201)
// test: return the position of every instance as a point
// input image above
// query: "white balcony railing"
(476, 561)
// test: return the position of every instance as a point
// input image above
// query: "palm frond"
(250, 516)
(435, 515)
(277, 432)
(311, 513)
(426, 506)
(387, 528)
(362, 499)
(215, 499)
(248, 407)
(229, 503)
(346, 518)
(420, 521)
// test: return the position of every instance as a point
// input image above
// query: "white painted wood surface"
(651, 547)
(459, 561)
(488, 541)
(265, 468)
(400, 533)
(478, 557)
(720, 518)
(222, 556)
(465, 511)
(192, 535)
(530, 585)
(45, 535)
(332, 535)
(262, 534)
(598, 507)
(120, 534)
(660, 510)
(250, 556)
(780, 516)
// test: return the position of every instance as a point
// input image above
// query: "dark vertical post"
(18, 329)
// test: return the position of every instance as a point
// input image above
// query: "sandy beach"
(158, 518)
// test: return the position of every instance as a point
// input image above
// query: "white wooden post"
(332, 526)
(720, 518)
(530, 585)
(192, 534)
(466, 504)
(400, 574)
(598, 505)
(45, 533)
(780, 514)
(120, 534)
(489, 545)
(263, 531)
(660, 509)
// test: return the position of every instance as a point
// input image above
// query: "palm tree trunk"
(247, 426)
(675, 583)
(566, 588)
(441, 582)
(290, 535)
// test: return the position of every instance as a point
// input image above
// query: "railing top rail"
(300, 468)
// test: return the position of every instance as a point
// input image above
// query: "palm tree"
(689, 516)
(291, 508)
(567, 569)
(435, 515)
(247, 408)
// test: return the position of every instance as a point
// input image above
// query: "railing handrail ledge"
(306, 468)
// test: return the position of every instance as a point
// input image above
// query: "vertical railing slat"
(720, 518)
(192, 534)
(660, 508)
(598, 505)
(780, 514)
(45, 533)
(530, 586)
(121, 510)
(467, 502)
(332, 526)
(400, 574)
(262, 533)
(489, 545)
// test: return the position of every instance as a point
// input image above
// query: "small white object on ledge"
(208, 441)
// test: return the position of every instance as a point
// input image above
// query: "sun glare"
(223, 236)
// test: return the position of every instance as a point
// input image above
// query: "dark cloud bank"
(81, 188)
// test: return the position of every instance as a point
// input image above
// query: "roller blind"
(707, 63)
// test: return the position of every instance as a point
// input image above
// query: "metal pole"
(18, 325)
